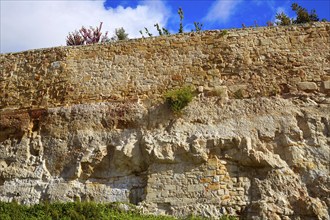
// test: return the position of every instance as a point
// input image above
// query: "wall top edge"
(172, 36)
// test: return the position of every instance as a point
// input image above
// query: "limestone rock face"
(260, 158)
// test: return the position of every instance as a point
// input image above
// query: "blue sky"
(230, 13)
(28, 24)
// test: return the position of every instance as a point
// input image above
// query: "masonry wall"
(258, 61)
(218, 186)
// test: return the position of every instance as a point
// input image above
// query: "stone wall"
(90, 123)
(217, 184)
(258, 61)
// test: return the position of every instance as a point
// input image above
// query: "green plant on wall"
(239, 94)
(180, 13)
(179, 98)
(198, 26)
(120, 34)
(162, 31)
(223, 33)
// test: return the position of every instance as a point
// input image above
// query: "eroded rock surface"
(260, 158)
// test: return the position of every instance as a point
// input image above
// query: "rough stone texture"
(260, 62)
(229, 152)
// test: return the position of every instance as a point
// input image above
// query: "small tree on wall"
(120, 34)
(283, 19)
(86, 36)
(302, 16)
(74, 38)
(163, 31)
(180, 13)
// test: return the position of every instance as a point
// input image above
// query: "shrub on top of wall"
(179, 98)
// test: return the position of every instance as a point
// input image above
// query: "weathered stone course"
(263, 61)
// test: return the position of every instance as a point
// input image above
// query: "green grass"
(71, 211)
(78, 211)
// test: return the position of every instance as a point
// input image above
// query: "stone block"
(195, 188)
(213, 162)
(326, 85)
(188, 200)
(235, 88)
(223, 186)
(233, 35)
(206, 180)
(223, 162)
(241, 179)
(307, 86)
(152, 195)
(209, 173)
(221, 172)
(165, 194)
(264, 42)
(216, 179)
(170, 187)
(233, 193)
(221, 192)
(213, 186)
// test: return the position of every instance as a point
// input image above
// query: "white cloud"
(222, 10)
(38, 24)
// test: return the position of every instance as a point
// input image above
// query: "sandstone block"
(213, 162)
(233, 193)
(170, 187)
(152, 195)
(223, 162)
(307, 86)
(326, 85)
(206, 180)
(210, 173)
(213, 186)
(221, 172)
(264, 42)
(164, 194)
(223, 186)
(195, 188)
